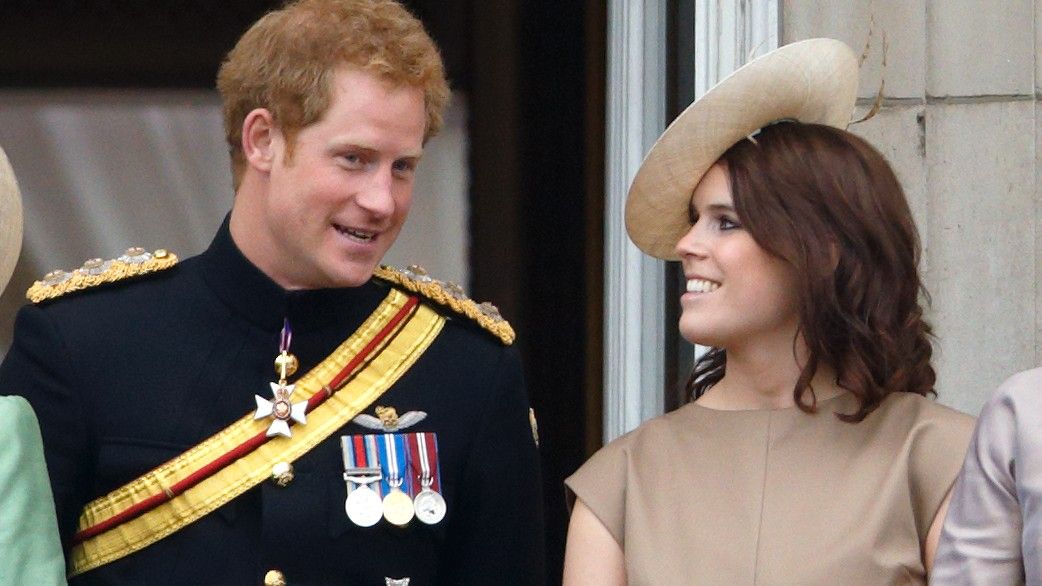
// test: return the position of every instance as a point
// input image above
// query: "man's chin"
(353, 276)
(330, 275)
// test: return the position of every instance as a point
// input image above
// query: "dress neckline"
(776, 410)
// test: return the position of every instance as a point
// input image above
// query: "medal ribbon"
(372, 455)
(424, 460)
(285, 336)
(395, 462)
(358, 456)
(348, 450)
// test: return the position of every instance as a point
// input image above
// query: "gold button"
(282, 474)
(274, 578)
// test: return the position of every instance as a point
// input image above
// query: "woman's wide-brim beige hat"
(10, 220)
(812, 81)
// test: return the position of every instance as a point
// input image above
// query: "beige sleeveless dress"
(702, 496)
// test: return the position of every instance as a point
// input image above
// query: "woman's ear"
(259, 139)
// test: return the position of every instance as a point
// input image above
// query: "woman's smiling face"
(736, 291)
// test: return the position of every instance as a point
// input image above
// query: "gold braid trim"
(393, 357)
(415, 280)
(135, 262)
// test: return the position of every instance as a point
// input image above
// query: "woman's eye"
(353, 160)
(728, 224)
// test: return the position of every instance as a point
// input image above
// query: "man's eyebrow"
(370, 150)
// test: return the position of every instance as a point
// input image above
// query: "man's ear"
(259, 139)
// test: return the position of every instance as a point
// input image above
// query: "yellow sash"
(387, 365)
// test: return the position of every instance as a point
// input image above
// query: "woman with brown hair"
(811, 453)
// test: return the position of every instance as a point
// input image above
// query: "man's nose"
(377, 195)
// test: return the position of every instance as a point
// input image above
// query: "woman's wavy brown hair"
(829, 204)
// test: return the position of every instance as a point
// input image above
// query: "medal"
(363, 505)
(398, 507)
(429, 505)
(281, 410)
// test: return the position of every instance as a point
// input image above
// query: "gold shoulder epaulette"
(416, 280)
(94, 272)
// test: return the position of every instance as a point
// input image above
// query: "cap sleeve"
(981, 541)
(941, 438)
(31, 551)
(601, 485)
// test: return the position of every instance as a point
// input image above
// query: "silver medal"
(364, 506)
(430, 506)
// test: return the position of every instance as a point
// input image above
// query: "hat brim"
(10, 220)
(812, 81)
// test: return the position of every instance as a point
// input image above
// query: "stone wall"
(960, 124)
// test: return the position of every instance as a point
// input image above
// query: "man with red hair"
(281, 408)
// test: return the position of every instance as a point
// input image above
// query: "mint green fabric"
(30, 549)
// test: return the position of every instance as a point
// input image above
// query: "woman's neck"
(764, 376)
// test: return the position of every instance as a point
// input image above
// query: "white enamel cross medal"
(281, 410)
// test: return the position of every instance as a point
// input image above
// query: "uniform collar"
(252, 295)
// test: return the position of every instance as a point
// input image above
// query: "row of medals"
(365, 508)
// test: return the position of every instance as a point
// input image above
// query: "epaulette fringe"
(133, 263)
(416, 280)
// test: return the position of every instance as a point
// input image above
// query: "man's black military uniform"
(126, 376)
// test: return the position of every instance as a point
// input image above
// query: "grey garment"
(993, 531)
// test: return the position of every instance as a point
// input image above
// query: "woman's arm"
(592, 555)
(934, 535)
(980, 543)
(30, 551)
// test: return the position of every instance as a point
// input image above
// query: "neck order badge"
(281, 410)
